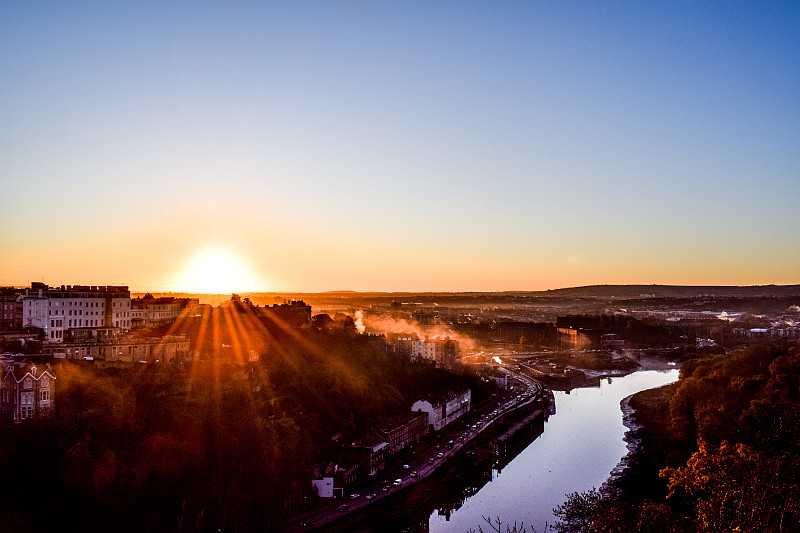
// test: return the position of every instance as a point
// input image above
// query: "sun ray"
(233, 331)
(336, 366)
(194, 370)
(268, 341)
(216, 358)
(175, 326)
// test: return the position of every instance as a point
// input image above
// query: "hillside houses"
(26, 390)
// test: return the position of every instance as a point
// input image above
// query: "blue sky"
(416, 146)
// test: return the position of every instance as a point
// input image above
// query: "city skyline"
(456, 147)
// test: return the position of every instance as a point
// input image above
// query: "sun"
(216, 271)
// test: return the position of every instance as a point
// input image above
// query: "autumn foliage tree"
(216, 444)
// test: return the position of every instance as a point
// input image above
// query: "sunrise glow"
(216, 271)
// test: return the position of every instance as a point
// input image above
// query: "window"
(27, 384)
(45, 395)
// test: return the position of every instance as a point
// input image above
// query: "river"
(580, 446)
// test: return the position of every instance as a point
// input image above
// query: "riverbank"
(650, 446)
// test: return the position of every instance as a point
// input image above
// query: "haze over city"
(447, 147)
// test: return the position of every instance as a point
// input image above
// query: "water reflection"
(528, 476)
(580, 446)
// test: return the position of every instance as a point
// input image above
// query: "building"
(56, 310)
(323, 486)
(400, 343)
(401, 434)
(108, 346)
(29, 340)
(10, 309)
(444, 408)
(578, 332)
(294, 314)
(370, 455)
(500, 378)
(423, 318)
(26, 390)
(525, 332)
(148, 310)
(791, 332)
(330, 479)
(444, 353)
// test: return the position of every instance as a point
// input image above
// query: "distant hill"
(671, 291)
(589, 292)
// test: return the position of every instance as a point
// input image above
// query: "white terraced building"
(444, 408)
(57, 309)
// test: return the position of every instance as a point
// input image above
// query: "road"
(460, 432)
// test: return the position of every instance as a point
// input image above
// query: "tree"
(577, 514)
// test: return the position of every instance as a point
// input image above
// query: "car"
(370, 496)
(406, 467)
(413, 474)
(343, 508)
(431, 461)
(306, 523)
(397, 482)
(440, 455)
(385, 489)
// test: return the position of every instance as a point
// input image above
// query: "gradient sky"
(401, 145)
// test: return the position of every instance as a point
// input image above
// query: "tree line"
(216, 443)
